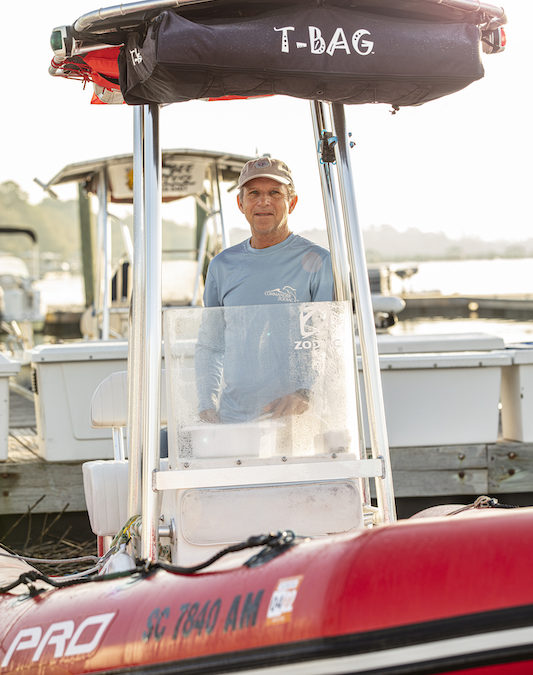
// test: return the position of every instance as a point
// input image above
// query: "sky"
(459, 165)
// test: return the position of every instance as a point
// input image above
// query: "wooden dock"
(505, 467)
(28, 481)
(518, 307)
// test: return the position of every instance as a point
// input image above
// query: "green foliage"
(54, 222)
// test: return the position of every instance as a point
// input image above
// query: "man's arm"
(209, 358)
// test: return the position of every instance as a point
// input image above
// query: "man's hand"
(290, 404)
(209, 415)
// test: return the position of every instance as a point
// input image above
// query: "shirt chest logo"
(285, 294)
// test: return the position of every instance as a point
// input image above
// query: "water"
(508, 277)
(466, 277)
(510, 331)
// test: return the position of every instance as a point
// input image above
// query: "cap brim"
(278, 179)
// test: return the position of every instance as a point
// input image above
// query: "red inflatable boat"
(257, 547)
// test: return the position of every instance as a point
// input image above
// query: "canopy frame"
(108, 26)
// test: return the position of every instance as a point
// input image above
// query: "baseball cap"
(266, 167)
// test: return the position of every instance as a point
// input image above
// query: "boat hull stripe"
(488, 638)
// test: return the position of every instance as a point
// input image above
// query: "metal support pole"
(86, 234)
(136, 321)
(339, 262)
(98, 267)
(337, 245)
(118, 443)
(220, 214)
(152, 331)
(200, 261)
(104, 259)
(126, 237)
(365, 317)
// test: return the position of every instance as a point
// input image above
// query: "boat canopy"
(403, 53)
(14, 229)
(184, 172)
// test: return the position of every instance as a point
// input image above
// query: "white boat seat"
(105, 483)
(109, 408)
(109, 404)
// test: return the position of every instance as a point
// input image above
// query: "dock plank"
(23, 446)
(27, 480)
(510, 467)
(446, 457)
(21, 411)
(503, 467)
(440, 483)
(22, 484)
(440, 470)
(435, 304)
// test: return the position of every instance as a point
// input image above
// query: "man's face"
(266, 206)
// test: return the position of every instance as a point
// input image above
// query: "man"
(273, 266)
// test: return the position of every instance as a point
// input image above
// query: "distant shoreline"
(385, 244)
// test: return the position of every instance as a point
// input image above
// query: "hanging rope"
(483, 502)
(277, 542)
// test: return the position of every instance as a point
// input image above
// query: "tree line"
(56, 224)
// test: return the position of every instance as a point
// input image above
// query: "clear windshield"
(259, 382)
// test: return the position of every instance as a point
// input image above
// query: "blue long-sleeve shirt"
(246, 357)
(295, 270)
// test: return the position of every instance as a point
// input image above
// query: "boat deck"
(439, 473)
